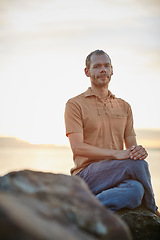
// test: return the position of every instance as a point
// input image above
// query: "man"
(98, 125)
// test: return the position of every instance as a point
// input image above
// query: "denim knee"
(136, 193)
(138, 167)
(137, 162)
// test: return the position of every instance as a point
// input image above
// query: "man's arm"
(79, 148)
(137, 151)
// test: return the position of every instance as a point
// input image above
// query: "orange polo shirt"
(104, 124)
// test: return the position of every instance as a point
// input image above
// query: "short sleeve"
(129, 130)
(73, 118)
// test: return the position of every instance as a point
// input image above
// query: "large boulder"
(46, 206)
(143, 224)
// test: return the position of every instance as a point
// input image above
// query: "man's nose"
(103, 69)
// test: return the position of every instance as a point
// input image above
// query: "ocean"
(59, 160)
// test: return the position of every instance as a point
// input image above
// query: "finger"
(144, 156)
(135, 152)
(140, 156)
(136, 149)
(132, 148)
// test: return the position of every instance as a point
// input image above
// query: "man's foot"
(157, 213)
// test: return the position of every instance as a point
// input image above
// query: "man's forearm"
(92, 152)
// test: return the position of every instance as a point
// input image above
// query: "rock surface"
(143, 224)
(46, 206)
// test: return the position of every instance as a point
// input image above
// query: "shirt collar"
(90, 93)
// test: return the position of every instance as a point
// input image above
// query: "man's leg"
(107, 174)
(127, 194)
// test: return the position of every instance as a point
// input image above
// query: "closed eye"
(107, 65)
(96, 66)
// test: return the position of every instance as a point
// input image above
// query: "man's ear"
(86, 72)
(111, 70)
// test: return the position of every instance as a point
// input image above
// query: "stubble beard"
(101, 83)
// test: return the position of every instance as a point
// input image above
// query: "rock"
(46, 206)
(142, 223)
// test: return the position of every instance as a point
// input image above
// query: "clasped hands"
(138, 152)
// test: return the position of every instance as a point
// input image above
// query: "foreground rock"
(45, 206)
(142, 223)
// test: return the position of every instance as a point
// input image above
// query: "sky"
(43, 46)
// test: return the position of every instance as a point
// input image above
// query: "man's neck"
(101, 92)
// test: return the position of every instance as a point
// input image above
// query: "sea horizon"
(18, 155)
(148, 137)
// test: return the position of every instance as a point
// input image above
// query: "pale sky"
(43, 46)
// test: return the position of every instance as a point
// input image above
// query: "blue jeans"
(120, 183)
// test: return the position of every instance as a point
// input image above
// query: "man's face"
(100, 70)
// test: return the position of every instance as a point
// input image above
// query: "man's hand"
(138, 152)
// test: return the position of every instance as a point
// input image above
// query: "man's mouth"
(102, 76)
